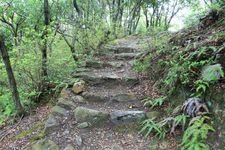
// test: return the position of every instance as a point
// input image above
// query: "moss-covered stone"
(152, 114)
(57, 110)
(124, 97)
(94, 117)
(66, 103)
(51, 124)
(44, 144)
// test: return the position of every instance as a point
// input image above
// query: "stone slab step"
(107, 78)
(100, 118)
(105, 97)
(96, 64)
(120, 56)
(126, 56)
(121, 49)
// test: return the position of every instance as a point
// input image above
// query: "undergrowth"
(195, 67)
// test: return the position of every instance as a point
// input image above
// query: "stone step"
(98, 118)
(107, 78)
(118, 50)
(96, 64)
(126, 56)
(119, 56)
(100, 97)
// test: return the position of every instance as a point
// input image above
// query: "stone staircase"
(87, 114)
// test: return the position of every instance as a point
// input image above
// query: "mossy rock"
(124, 97)
(152, 114)
(57, 110)
(94, 117)
(51, 124)
(44, 144)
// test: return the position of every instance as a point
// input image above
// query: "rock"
(107, 78)
(126, 56)
(124, 50)
(78, 87)
(114, 64)
(69, 147)
(79, 140)
(45, 144)
(78, 99)
(57, 110)
(212, 72)
(65, 93)
(66, 103)
(152, 114)
(93, 97)
(124, 97)
(94, 64)
(51, 124)
(124, 117)
(82, 125)
(94, 117)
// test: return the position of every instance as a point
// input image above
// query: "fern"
(201, 87)
(154, 102)
(195, 135)
(149, 126)
(180, 119)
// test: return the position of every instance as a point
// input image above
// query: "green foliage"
(201, 87)
(185, 68)
(195, 135)
(142, 66)
(154, 102)
(149, 125)
(180, 120)
(7, 106)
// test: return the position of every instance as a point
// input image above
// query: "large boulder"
(44, 144)
(93, 117)
(124, 117)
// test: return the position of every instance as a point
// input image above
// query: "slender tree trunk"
(45, 36)
(11, 78)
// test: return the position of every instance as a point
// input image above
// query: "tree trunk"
(44, 37)
(11, 78)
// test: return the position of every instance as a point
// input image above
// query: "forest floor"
(112, 93)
